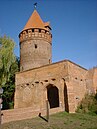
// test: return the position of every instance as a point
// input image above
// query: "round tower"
(35, 43)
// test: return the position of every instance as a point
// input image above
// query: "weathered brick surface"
(33, 84)
(95, 80)
(77, 80)
(91, 80)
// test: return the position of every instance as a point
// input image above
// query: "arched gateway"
(53, 96)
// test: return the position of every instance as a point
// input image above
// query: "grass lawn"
(61, 120)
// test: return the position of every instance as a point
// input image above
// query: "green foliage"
(8, 67)
(88, 104)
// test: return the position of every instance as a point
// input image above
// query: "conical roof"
(35, 22)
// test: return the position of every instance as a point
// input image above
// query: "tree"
(8, 67)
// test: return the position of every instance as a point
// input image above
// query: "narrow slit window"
(39, 30)
(35, 46)
(32, 30)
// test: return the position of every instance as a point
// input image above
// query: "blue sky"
(73, 22)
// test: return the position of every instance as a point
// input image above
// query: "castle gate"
(53, 96)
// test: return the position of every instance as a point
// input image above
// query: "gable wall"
(31, 85)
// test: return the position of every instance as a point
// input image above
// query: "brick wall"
(25, 113)
(35, 48)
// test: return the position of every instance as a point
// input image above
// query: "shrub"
(88, 104)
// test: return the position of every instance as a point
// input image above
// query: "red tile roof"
(35, 21)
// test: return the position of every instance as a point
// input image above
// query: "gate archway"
(53, 96)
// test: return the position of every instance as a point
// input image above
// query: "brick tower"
(35, 43)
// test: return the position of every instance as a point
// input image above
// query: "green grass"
(61, 120)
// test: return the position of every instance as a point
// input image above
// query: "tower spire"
(35, 43)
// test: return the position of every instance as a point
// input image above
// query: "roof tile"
(35, 21)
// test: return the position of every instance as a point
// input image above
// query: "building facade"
(40, 82)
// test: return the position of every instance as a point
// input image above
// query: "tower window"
(39, 30)
(32, 30)
(35, 46)
(45, 31)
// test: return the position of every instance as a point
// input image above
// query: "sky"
(73, 23)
